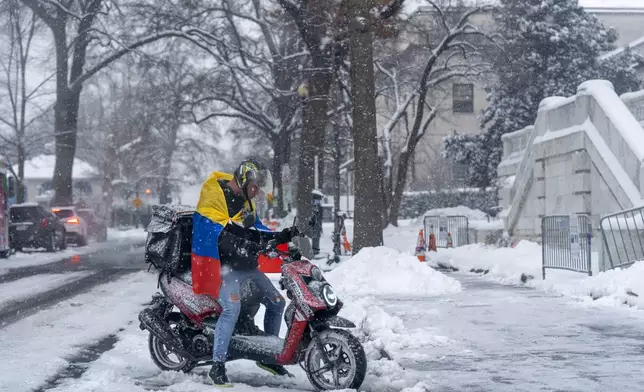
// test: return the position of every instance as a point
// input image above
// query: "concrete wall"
(580, 148)
(584, 155)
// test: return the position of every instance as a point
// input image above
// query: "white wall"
(584, 155)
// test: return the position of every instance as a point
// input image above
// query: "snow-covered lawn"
(477, 219)
(522, 264)
(115, 237)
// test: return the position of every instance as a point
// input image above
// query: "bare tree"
(329, 30)
(136, 128)
(454, 53)
(74, 25)
(257, 78)
(115, 127)
(316, 27)
(19, 138)
(170, 85)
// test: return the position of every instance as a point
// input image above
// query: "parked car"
(96, 227)
(32, 226)
(75, 226)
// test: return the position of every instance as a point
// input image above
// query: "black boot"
(276, 370)
(217, 374)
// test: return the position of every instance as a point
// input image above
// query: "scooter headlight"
(328, 294)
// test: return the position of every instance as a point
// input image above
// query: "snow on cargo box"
(168, 246)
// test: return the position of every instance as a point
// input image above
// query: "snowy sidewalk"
(514, 338)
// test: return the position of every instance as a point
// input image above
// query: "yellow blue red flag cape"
(209, 220)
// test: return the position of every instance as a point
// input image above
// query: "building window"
(463, 98)
(459, 173)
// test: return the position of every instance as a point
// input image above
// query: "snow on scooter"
(181, 340)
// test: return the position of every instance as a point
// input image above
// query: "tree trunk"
(368, 174)
(279, 159)
(387, 190)
(110, 173)
(336, 190)
(20, 188)
(313, 127)
(65, 120)
(164, 191)
(164, 194)
(66, 125)
(406, 157)
(321, 166)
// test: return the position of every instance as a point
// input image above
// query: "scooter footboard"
(263, 348)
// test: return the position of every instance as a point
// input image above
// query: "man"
(225, 251)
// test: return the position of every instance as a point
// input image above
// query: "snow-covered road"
(487, 337)
(513, 338)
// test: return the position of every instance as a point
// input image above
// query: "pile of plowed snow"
(385, 271)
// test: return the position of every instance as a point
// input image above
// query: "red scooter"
(331, 357)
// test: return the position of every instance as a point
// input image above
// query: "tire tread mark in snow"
(57, 266)
(19, 310)
(49, 268)
(79, 362)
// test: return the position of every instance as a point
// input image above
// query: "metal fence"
(623, 234)
(566, 243)
(446, 228)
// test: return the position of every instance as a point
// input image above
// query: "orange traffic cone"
(432, 242)
(420, 246)
(450, 244)
(345, 242)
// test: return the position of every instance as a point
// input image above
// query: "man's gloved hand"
(286, 235)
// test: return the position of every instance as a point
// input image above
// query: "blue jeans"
(230, 301)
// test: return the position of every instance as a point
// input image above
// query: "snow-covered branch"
(66, 10)
(78, 82)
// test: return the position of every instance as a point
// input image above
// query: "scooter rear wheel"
(163, 356)
(347, 365)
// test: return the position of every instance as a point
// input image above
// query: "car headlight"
(328, 294)
(316, 274)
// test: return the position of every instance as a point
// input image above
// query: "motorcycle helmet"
(253, 170)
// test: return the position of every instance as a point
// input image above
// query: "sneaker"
(217, 374)
(276, 370)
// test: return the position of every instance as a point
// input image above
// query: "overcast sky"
(412, 4)
(613, 3)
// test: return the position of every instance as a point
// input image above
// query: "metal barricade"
(623, 234)
(566, 243)
(446, 229)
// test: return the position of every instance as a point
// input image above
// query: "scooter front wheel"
(336, 361)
